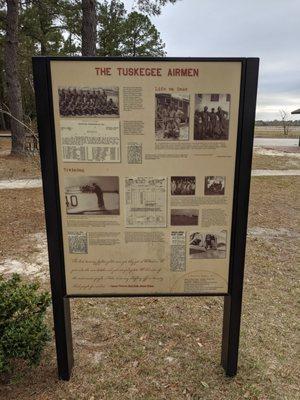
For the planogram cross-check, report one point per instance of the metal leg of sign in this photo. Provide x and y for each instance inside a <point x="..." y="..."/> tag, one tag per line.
<point x="233" y="301"/>
<point x="231" y="333"/>
<point x="63" y="337"/>
<point x="61" y="304"/>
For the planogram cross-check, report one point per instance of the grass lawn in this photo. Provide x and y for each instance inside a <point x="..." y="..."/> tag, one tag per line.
<point x="275" y="162"/>
<point x="260" y="132"/>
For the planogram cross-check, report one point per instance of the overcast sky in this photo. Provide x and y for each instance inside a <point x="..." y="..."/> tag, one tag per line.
<point x="268" y="29"/>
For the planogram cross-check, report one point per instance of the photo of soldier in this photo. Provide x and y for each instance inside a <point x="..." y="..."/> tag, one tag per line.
<point x="89" y="102"/>
<point x="94" y="188"/>
<point x="214" y="185"/>
<point x="183" y="185"/>
<point x="172" y="116"/>
<point x="211" y="116"/>
<point x="92" y="195"/>
<point x="206" y="245"/>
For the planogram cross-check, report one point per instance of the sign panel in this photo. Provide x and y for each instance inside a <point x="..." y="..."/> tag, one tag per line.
<point x="146" y="155"/>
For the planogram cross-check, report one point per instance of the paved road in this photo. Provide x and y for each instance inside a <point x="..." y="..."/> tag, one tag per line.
<point x="275" y="172"/>
<point x="274" y="142"/>
<point x="21" y="184"/>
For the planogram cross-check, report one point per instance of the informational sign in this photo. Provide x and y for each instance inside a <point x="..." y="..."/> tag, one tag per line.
<point x="146" y="166"/>
<point x="146" y="158"/>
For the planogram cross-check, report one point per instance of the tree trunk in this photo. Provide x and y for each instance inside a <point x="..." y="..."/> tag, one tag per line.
<point x="2" y="122"/>
<point x="134" y="45"/>
<point x="41" y="19"/>
<point x="89" y="32"/>
<point x="2" y="119"/>
<point x="13" y="86"/>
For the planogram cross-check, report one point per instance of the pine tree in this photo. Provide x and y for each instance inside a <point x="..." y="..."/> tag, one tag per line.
<point x="89" y="28"/>
<point x="111" y="19"/>
<point x="141" y="38"/>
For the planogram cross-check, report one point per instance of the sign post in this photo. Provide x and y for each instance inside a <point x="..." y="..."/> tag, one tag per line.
<point x="146" y="166"/>
<point x="233" y="301"/>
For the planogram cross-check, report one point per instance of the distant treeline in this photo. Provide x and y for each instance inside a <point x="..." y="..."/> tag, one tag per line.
<point x="276" y="122"/>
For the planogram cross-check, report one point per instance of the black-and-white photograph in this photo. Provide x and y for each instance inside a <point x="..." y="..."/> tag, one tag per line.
<point x="211" y="117"/>
<point x="183" y="185"/>
<point x="184" y="217"/>
<point x="88" y="102"/>
<point x="92" y="195"/>
<point x="214" y="185"/>
<point x="207" y="245"/>
<point x="172" y="113"/>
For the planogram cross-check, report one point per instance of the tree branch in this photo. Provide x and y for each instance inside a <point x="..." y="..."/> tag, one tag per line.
<point x="20" y="122"/>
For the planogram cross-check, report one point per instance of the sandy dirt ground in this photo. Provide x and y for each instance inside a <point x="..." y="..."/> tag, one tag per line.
<point x="159" y="348"/>
<point x="12" y="167"/>
<point x="276" y="158"/>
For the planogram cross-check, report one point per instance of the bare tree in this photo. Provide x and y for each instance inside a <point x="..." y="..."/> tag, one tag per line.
<point x="13" y="86"/>
<point x="285" y="122"/>
<point x="89" y="28"/>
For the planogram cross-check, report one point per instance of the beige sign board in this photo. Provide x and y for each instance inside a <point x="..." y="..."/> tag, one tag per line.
<point x="146" y="161"/>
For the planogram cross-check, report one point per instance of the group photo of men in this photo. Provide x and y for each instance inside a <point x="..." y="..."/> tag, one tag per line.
<point x="99" y="102"/>
<point x="183" y="185"/>
<point x="172" y="116"/>
<point x="214" y="185"/>
<point x="211" y="118"/>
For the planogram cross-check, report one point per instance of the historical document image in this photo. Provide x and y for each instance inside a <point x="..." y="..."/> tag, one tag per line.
<point x="134" y="153"/>
<point x="182" y="216"/>
<point x="183" y="185"/>
<point x="145" y="201"/>
<point x="92" y="195"/>
<point x="178" y="251"/>
<point x="172" y="113"/>
<point x="214" y="185"/>
<point x="88" y="102"/>
<point x="86" y="141"/>
<point x="211" y="116"/>
<point x="208" y="244"/>
<point x="78" y="242"/>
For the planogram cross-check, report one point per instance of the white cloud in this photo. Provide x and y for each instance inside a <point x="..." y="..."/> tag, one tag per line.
<point x="268" y="29"/>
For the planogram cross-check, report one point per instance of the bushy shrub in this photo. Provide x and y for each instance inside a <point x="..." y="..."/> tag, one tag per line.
<point x="23" y="332"/>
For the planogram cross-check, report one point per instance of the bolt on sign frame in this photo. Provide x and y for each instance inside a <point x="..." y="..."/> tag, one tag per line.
<point x="53" y="74"/>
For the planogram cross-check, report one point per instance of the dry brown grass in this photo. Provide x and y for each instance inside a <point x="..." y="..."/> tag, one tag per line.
<point x="276" y="133"/>
<point x="159" y="348"/>
<point x="13" y="167"/>
<point x="22" y="213"/>
<point x="284" y="161"/>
